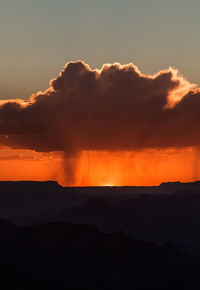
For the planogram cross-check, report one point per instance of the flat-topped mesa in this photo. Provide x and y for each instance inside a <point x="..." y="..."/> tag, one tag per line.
<point x="30" y="186"/>
<point x="170" y="184"/>
<point x="180" y="184"/>
<point x="178" y="187"/>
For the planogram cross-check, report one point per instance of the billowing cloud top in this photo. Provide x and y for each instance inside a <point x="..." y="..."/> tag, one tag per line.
<point x="115" y="108"/>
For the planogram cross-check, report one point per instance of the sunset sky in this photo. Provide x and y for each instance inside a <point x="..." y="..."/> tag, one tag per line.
<point x="94" y="123"/>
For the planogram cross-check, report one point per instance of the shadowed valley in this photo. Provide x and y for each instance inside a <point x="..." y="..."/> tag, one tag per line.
<point x="99" y="237"/>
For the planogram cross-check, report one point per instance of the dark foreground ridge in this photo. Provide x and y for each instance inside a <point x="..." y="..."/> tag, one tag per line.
<point x="166" y="213"/>
<point x="90" y="238"/>
<point x="65" y="256"/>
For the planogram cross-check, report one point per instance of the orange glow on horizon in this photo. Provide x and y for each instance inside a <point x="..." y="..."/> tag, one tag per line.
<point x="101" y="168"/>
<point x="148" y="167"/>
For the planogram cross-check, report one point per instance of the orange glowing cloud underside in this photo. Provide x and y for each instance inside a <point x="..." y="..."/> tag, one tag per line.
<point x="102" y="124"/>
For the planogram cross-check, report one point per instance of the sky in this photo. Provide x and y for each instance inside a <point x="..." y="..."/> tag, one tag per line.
<point x="136" y="124"/>
<point x="38" y="37"/>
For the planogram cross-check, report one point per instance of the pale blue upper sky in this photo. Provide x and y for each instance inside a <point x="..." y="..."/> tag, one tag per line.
<point x="37" y="37"/>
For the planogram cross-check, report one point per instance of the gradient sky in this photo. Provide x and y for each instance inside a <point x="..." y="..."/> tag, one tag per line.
<point x="38" y="37"/>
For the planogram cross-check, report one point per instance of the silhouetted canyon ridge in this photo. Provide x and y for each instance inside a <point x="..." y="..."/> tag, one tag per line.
<point x="55" y="237"/>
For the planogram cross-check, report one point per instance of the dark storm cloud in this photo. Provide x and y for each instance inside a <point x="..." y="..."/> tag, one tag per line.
<point x="115" y="108"/>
